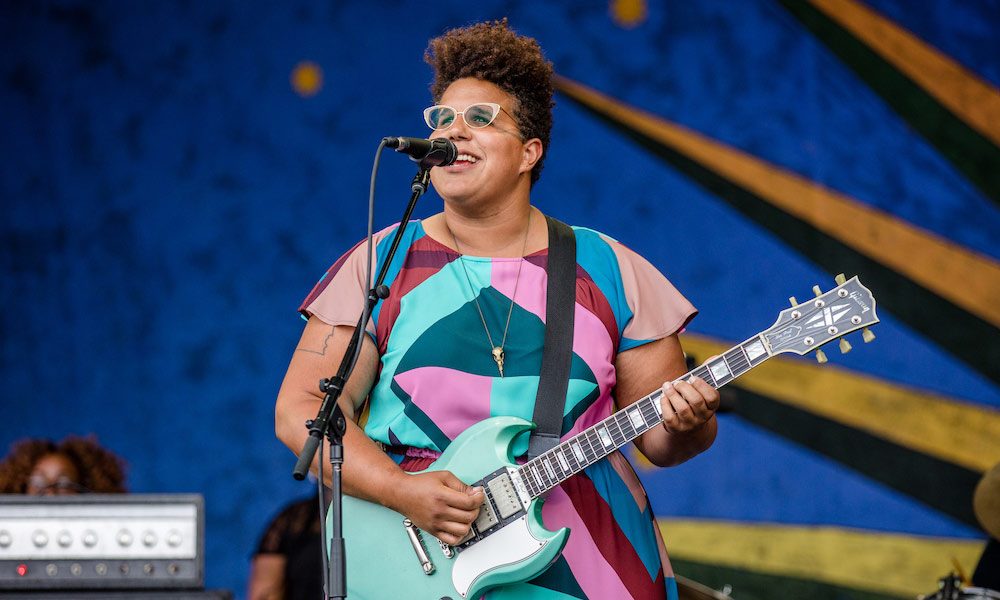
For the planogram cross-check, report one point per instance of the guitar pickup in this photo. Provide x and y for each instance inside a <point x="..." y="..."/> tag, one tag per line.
<point x="504" y="495"/>
<point x="487" y="517"/>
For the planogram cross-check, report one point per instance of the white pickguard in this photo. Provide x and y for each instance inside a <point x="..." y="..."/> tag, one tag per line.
<point x="513" y="543"/>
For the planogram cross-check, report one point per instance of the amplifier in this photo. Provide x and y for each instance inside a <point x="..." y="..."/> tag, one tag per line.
<point x="95" y="541"/>
<point x="118" y="595"/>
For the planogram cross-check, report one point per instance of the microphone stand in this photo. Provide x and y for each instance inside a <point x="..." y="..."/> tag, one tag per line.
<point x="330" y="420"/>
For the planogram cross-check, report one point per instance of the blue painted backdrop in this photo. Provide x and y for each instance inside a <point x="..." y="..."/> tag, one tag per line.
<point x="168" y="199"/>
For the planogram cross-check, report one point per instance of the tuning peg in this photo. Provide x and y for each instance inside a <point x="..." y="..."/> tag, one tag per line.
<point x="867" y="335"/>
<point x="793" y="301"/>
<point x="845" y="346"/>
<point x="840" y="279"/>
<point x="817" y="291"/>
<point x="821" y="357"/>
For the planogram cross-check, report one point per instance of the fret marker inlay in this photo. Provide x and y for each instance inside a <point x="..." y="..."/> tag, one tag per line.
<point x="754" y="350"/>
<point x="605" y="438"/>
<point x="637" y="420"/>
<point x="719" y="369"/>
<point x="829" y="317"/>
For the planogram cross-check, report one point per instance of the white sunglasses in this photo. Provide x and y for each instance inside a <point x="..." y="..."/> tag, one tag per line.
<point x="477" y="116"/>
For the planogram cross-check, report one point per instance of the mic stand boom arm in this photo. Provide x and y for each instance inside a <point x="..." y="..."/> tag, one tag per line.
<point x="330" y="420"/>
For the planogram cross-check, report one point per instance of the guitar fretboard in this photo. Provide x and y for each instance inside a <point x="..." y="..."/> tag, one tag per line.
<point x="568" y="458"/>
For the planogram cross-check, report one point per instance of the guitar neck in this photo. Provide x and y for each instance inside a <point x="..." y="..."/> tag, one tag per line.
<point x="568" y="458"/>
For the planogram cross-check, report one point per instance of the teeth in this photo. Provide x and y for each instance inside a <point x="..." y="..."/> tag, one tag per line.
<point x="467" y="158"/>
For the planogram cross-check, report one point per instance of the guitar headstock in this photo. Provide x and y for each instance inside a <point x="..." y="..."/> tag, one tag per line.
<point x="806" y="326"/>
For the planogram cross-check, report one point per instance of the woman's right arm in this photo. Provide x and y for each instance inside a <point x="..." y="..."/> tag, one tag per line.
<point x="437" y="502"/>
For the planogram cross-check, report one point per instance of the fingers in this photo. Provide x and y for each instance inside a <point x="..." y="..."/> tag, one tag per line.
<point x="451" y="508"/>
<point x="709" y="393"/>
<point x="452" y="524"/>
<point x="688" y="404"/>
<point x="458" y="515"/>
<point x="451" y="533"/>
<point x="465" y="497"/>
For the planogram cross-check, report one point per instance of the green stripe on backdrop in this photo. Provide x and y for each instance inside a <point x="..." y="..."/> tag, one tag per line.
<point x="962" y="318"/>
<point x="973" y="154"/>
<point x="939" y="484"/>
<point x="751" y="585"/>
<point x="963" y="92"/>
<point x="948" y="430"/>
<point x="825" y="560"/>
<point x="931" y="448"/>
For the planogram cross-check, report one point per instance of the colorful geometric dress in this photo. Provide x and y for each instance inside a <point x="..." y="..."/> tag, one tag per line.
<point x="437" y="378"/>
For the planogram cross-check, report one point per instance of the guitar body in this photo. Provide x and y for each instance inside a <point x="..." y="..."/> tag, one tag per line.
<point x="382" y="562"/>
<point x="508" y="544"/>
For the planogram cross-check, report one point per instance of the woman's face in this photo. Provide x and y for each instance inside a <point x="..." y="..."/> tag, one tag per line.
<point x="492" y="158"/>
<point x="54" y="474"/>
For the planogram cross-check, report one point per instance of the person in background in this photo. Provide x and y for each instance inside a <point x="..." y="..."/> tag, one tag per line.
<point x="75" y="465"/>
<point x="288" y="562"/>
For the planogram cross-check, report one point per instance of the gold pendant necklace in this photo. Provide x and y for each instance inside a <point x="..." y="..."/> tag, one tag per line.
<point x="496" y="351"/>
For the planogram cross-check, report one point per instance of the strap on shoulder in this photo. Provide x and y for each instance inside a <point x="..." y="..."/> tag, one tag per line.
<point x="557" y="354"/>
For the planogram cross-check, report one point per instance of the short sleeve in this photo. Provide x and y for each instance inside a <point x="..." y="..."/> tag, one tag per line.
<point x="657" y="309"/>
<point x="273" y="539"/>
<point x="286" y="530"/>
<point x="340" y="295"/>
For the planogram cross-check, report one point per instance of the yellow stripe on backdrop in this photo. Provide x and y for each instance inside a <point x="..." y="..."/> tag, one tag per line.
<point x="963" y="277"/>
<point x="869" y="560"/>
<point x="952" y="430"/>
<point x="963" y="93"/>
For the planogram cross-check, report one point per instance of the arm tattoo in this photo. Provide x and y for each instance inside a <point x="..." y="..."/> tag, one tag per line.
<point x="319" y="351"/>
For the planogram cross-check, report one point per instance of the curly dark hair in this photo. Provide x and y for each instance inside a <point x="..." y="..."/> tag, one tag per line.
<point x="493" y="52"/>
<point x="101" y="471"/>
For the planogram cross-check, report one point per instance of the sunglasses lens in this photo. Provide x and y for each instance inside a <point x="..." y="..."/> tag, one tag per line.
<point x="439" y="117"/>
<point x="480" y="115"/>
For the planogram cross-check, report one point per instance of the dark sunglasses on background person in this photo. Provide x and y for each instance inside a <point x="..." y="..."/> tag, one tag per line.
<point x="61" y="486"/>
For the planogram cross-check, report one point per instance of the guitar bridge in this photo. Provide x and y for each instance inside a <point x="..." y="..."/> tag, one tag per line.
<point x="418" y="546"/>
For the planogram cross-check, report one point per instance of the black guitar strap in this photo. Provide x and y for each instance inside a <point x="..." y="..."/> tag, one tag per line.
<point x="557" y="354"/>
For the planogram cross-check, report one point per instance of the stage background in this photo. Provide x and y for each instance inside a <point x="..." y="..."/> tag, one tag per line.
<point x="176" y="176"/>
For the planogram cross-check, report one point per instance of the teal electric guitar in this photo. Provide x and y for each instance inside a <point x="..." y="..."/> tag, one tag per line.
<point x="387" y="557"/>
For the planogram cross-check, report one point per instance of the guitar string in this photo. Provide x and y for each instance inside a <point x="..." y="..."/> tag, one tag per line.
<point x="565" y="448"/>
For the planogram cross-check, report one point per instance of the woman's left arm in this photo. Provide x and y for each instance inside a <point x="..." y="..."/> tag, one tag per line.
<point x="689" y="425"/>
<point x="267" y="577"/>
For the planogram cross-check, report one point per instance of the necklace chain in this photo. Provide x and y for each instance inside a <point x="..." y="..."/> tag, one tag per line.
<point x="496" y="351"/>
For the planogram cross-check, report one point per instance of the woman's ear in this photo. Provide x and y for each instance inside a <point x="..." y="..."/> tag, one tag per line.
<point x="532" y="153"/>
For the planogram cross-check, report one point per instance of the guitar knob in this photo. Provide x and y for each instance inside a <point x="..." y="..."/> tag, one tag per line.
<point x="867" y="335"/>
<point x="821" y="357"/>
<point x="840" y="279"/>
<point x="817" y="291"/>
<point x="845" y="346"/>
<point x="793" y="301"/>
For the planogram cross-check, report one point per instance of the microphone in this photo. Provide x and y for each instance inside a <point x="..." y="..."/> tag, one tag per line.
<point x="438" y="152"/>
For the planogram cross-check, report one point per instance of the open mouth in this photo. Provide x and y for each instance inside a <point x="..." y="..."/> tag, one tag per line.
<point x="465" y="159"/>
